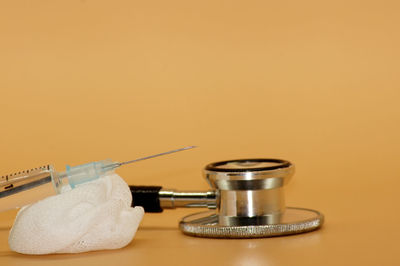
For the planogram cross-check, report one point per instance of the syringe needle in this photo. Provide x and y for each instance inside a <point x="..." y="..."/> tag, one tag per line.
<point x="156" y="155"/>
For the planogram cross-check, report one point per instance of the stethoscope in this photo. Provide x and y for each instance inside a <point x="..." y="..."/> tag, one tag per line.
<point x="246" y="201"/>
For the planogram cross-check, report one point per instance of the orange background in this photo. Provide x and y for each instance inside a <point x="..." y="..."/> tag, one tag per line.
<point x="313" y="82"/>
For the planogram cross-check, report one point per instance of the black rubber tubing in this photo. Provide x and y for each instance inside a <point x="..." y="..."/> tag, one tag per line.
<point x="147" y="197"/>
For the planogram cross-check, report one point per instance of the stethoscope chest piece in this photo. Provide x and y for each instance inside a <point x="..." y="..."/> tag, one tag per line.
<point x="250" y="202"/>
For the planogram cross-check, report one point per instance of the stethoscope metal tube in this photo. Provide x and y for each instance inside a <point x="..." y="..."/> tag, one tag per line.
<point x="171" y="199"/>
<point x="248" y="198"/>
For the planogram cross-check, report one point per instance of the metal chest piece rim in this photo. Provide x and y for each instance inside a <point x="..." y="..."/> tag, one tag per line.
<point x="293" y="221"/>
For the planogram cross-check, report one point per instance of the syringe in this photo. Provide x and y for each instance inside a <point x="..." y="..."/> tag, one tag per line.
<point x="22" y="188"/>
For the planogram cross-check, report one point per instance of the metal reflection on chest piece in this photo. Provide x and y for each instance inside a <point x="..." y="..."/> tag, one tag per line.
<point x="250" y="202"/>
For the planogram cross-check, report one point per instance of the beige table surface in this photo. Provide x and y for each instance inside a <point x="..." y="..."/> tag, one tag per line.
<point x="313" y="82"/>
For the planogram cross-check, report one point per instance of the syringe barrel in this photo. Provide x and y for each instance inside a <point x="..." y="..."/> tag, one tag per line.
<point x="20" y="189"/>
<point x="17" y="190"/>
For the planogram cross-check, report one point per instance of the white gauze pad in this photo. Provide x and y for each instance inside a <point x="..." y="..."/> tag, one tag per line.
<point x="93" y="216"/>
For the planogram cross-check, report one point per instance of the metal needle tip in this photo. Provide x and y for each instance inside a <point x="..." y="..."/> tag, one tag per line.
<point x="156" y="155"/>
